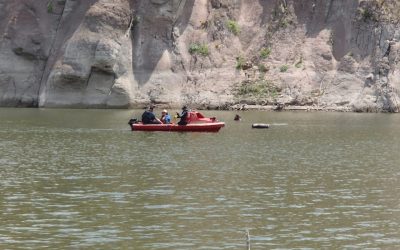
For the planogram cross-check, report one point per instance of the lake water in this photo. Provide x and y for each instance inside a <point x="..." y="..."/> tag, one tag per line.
<point x="80" y="179"/>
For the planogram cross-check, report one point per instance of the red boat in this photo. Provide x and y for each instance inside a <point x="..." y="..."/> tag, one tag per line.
<point x="196" y="123"/>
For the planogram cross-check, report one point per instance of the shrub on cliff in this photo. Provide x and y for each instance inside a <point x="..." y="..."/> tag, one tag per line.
<point x="283" y="68"/>
<point x="240" y="61"/>
<point x="260" y="89"/>
<point x="233" y="27"/>
<point x="201" y="49"/>
<point x="50" y="6"/>
<point x="367" y="15"/>
<point x="265" y="52"/>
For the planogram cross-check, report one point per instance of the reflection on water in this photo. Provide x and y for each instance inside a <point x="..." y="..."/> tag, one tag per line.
<point x="81" y="179"/>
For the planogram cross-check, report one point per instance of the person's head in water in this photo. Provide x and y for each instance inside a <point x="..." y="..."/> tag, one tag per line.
<point x="237" y="118"/>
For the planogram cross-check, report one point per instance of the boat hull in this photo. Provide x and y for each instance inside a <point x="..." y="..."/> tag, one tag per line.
<point x="193" y="127"/>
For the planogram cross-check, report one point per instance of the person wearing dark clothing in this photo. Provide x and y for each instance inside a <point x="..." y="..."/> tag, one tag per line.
<point x="184" y="116"/>
<point x="148" y="117"/>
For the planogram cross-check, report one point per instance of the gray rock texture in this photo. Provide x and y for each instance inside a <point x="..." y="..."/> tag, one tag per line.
<point x="336" y="55"/>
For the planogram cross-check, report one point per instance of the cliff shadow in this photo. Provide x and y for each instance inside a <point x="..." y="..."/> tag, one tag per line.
<point x="71" y="18"/>
<point x="336" y="15"/>
<point x="152" y="35"/>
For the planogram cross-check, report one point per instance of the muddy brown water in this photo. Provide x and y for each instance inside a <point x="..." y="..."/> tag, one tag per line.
<point x="80" y="179"/>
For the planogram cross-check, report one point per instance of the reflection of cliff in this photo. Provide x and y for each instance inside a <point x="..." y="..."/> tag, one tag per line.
<point x="207" y="53"/>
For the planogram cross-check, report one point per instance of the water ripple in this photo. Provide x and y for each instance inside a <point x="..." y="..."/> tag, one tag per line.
<point x="311" y="181"/>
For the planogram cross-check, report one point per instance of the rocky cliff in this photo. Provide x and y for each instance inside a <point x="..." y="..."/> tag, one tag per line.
<point x="324" y="54"/>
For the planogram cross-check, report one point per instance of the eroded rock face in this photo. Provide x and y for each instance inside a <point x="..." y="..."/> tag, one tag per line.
<point x="85" y="73"/>
<point x="26" y="34"/>
<point x="341" y="55"/>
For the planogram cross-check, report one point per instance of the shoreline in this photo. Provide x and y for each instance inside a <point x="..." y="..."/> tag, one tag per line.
<point x="226" y="107"/>
<point x="278" y="108"/>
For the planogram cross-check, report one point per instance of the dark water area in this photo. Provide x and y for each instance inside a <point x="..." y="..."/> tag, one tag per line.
<point x="81" y="179"/>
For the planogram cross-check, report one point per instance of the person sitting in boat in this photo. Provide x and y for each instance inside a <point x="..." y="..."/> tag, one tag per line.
<point x="148" y="117"/>
<point x="184" y="116"/>
<point x="165" y="117"/>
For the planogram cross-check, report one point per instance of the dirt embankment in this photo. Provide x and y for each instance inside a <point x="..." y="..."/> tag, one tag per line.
<point x="272" y="54"/>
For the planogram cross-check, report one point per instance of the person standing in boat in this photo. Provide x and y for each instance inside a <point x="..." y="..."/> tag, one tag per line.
<point x="165" y="117"/>
<point x="148" y="117"/>
<point x="184" y="116"/>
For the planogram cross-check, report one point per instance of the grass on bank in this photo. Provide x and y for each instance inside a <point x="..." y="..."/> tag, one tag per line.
<point x="259" y="88"/>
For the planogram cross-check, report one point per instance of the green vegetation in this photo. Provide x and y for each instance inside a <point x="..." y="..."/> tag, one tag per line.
<point x="233" y="27"/>
<point x="200" y="49"/>
<point x="262" y="68"/>
<point x="367" y="14"/>
<point x="284" y="23"/>
<point x="284" y="68"/>
<point x="18" y="51"/>
<point x="265" y="52"/>
<point x="259" y="88"/>
<point x="50" y="6"/>
<point x="135" y="20"/>
<point x="240" y="61"/>
<point x="299" y="63"/>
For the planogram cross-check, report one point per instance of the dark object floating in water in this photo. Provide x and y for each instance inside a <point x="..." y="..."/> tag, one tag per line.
<point x="260" y="125"/>
<point x="237" y="118"/>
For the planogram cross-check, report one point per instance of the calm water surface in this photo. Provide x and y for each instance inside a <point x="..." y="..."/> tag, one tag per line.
<point x="79" y="179"/>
